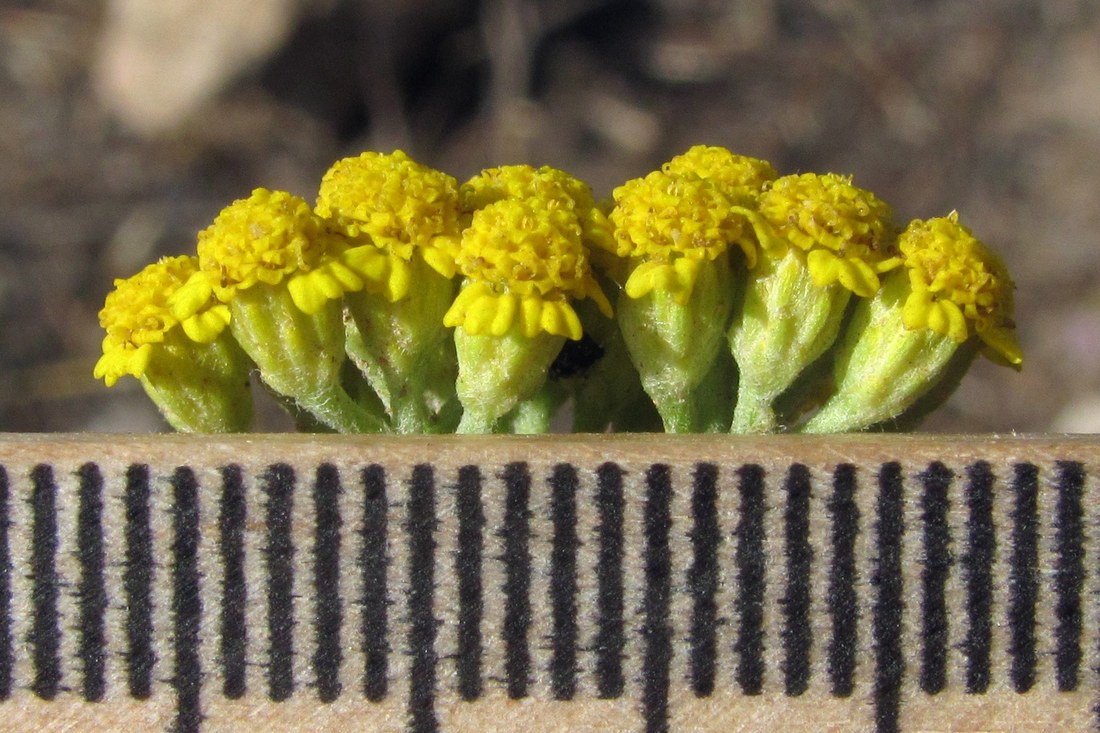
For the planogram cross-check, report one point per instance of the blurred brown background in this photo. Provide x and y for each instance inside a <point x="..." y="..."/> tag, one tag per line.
<point x="125" y="126"/>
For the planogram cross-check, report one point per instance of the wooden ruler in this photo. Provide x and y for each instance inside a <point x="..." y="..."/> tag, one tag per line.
<point x="570" y="583"/>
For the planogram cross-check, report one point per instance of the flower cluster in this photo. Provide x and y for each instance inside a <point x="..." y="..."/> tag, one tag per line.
<point x="710" y="295"/>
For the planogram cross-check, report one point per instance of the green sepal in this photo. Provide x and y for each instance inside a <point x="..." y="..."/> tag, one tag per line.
<point x="784" y="324"/>
<point x="496" y="373"/>
<point x="300" y="356"/>
<point x="938" y="394"/>
<point x="673" y="346"/>
<point x="405" y="352"/>
<point x="882" y="368"/>
<point x="200" y="388"/>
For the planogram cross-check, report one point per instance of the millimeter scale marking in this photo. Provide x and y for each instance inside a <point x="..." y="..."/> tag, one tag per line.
<point x="553" y="583"/>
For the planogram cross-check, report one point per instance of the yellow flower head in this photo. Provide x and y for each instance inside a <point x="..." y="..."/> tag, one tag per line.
<point x="846" y="232"/>
<point x="136" y="316"/>
<point x="269" y="238"/>
<point x="394" y="203"/>
<point x="550" y="187"/>
<point x="958" y="282"/>
<point x="673" y="224"/>
<point x="524" y="263"/>
<point x="737" y="175"/>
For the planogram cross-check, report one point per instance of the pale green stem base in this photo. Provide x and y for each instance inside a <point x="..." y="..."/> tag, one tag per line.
<point x="785" y="324"/>
<point x="200" y="388"/>
<point x="754" y="414"/>
<point x="497" y="373"/>
<point x="300" y="356"/>
<point x="882" y="368"/>
<point x="405" y="352"/>
<point x="674" y="346"/>
<point x="533" y="416"/>
<point x="677" y="411"/>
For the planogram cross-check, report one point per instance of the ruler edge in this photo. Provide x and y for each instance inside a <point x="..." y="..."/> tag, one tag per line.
<point x="161" y="450"/>
<point x="32" y="448"/>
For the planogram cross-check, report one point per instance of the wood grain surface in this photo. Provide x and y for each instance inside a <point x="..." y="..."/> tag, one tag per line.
<point x="552" y="583"/>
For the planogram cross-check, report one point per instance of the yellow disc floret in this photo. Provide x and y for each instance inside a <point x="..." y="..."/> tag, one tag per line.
<point x="736" y="175"/>
<point x="524" y="263"/>
<point x="396" y="204"/>
<point x="261" y="239"/>
<point x="551" y="188"/>
<point x="136" y="317"/>
<point x="270" y="238"/>
<point x="845" y="231"/>
<point x="671" y="224"/>
<point x="958" y="283"/>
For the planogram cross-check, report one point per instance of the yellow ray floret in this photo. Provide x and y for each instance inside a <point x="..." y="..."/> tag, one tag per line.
<point x="271" y="238"/>
<point x="524" y="263"/>
<point x="136" y="317"/>
<point x="395" y="203"/>
<point x="663" y="218"/>
<point x="958" y="283"/>
<point x="736" y="175"/>
<point x="846" y="231"/>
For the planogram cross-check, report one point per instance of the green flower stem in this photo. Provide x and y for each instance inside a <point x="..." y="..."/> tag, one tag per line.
<point x="534" y="416"/>
<point x="753" y="413"/>
<point x="714" y="396"/>
<point x="334" y="408"/>
<point x="882" y="368"/>
<point x="300" y="355"/>
<point x="200" y="388"/>
<point x="497" y="373"/>
<point x="476" y="422"/>
<point x="786" y="322"/>
<point x="406" y="353"/>
<point x="677" y="412"/>
<point x="674" y="346"/>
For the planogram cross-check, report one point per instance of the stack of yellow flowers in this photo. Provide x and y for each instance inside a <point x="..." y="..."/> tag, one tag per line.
<point x="711" y="295"/>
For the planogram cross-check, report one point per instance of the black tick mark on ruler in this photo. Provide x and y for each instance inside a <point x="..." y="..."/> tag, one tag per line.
<point x="7" y="655"/>
<point x="234" y="630"/>
<point x="797" y="631"/>
<point x="278" y="483"/>
<point x="750" y="562"/>
<point x="563" y="581"/>
<point x="935" y="505"/>
<point x="656" y="630"/>
<point x="977" y="574"/>
<point x="517" y="578"/>
<point x="1023" y="576"/>
<point x="889" y="601"/>
<point x="186" y="601"/>
<point x="468" y="569"/>
<point x="420" y="526"/>
<point x="840" y="599"/>
<point x="373" y="562"/>
<point x="92" y="589"/>
<point x="45" y="634"/>
<point x="137" y="583"/>
<point x="702" y="578"/>
<point x="328" y="654"/>
<point x="610" y="632"/>
<point x="1069" y="573"/>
